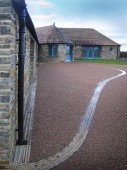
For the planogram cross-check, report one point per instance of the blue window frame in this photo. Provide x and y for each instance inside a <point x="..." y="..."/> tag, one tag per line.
<point x="53" y="50"/>
<point x="90" y="52"/>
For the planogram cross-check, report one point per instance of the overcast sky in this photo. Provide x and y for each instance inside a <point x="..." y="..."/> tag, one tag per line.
<point x="106" y="16"/>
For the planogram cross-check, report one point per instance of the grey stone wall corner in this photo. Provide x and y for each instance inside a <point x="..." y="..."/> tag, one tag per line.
<point x="8" y="53"/>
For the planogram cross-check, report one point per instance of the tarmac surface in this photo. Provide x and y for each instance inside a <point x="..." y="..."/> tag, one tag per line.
<point x="63" y="93"/>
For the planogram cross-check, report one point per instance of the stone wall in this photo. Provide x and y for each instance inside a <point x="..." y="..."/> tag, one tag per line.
<point x="62" y="52"/>
<point x="106" y="52"/>
<point x="9" y="79"/>
<point x="44" y="53"/>
<point x="109" y="52"/>
<point x="77" y="52"/>
<point x="30" y="64"/>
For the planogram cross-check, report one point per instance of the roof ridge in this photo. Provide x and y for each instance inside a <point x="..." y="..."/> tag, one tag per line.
<point x="62" y="35"/>
<point x="75" y="28"/>
<point x="44" y="26"/>
<point x="51" y="34"/>
<point x="77" y="36"/>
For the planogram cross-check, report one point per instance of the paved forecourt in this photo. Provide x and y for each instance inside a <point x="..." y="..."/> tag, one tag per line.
<point x="79" y="107"/>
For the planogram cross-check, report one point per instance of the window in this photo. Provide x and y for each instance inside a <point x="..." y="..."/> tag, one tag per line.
<point x="53" y="50"/>
<point x="111" y="48"/>
<point x="90" y="52"/>
<point x="84" y="52"/>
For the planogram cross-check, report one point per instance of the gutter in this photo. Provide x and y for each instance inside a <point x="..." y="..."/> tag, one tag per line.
<point x="24" y="20"/>
<point x="21" y="57"/>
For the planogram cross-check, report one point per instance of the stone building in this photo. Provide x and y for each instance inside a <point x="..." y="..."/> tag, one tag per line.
<point x="65" y="44"/>
<point x="18" y="56"/>
<point x="19" y="46"/>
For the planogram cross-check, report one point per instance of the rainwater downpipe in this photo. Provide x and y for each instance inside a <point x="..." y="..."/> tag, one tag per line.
<point x="21" y="58"/>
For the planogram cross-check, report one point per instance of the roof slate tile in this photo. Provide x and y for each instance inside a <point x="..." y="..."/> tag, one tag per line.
<point x="76" y="36"/>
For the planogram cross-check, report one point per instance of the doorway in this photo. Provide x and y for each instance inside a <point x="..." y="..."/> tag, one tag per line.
<point x="69" y="52"/>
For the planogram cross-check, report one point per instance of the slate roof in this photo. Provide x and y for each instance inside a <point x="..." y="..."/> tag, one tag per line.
<point x="52" y="34"/>
<point x="77" y="36"/>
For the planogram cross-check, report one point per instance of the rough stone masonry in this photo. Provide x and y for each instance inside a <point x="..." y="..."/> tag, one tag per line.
<point x="9" y="26"/>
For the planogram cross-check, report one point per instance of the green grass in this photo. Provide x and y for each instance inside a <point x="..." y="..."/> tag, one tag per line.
<point x="104" y="61"/>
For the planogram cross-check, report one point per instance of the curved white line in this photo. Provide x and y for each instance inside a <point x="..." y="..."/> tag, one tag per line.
<point x="93" y="103"/>
<point x="77" y="141"/>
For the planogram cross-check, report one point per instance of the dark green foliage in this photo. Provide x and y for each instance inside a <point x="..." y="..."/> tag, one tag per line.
<point x="123" y="54"/>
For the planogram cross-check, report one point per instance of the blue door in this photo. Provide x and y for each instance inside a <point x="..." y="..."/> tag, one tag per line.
<point x="68" y="53"/>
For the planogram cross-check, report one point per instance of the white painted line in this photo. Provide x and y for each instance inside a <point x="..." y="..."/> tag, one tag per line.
<point x="93" y="103"/>
<point x="77" y="141"/>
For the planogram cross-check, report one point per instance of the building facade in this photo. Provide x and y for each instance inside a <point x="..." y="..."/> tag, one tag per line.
<point x="68" y="44"/>
<point x="11" y="58"/>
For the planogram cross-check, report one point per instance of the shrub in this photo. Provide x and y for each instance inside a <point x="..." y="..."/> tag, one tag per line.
<point x="123" y="54"/>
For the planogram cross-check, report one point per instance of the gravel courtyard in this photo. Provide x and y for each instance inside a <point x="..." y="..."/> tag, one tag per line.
<point x="64" y="91"/>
